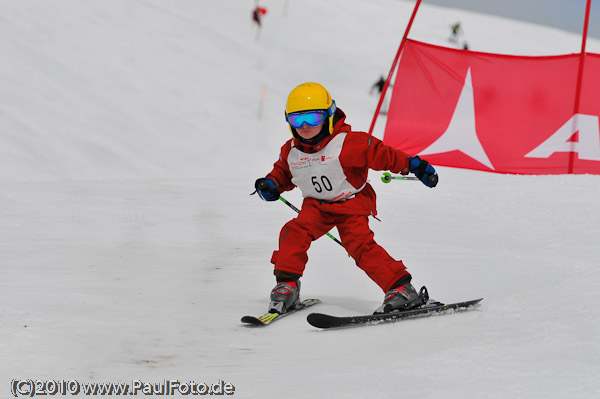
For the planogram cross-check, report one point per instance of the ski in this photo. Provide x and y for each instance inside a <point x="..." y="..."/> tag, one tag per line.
<point x="320" y="320"/>
<point x="269" y="318"/>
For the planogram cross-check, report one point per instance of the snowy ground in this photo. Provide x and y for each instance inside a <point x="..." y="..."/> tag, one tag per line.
<point x="130" y="248"/>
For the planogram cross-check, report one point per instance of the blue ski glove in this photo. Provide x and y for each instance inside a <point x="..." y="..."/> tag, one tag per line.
<point x="266" y="189"/>
<point x="424" y="171"/>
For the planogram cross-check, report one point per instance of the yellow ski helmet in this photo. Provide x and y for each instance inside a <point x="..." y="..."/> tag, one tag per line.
<point x="308" y="97"/>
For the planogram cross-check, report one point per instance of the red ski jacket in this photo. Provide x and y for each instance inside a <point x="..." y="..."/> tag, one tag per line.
<point x="359" y="153"/>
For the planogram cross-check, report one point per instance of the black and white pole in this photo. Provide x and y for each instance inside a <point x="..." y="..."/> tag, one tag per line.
<point x="298" y="211"/>
<point x="387" y="177"/>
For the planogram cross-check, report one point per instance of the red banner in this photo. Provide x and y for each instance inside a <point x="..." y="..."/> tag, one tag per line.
<point x="497" y="113"/>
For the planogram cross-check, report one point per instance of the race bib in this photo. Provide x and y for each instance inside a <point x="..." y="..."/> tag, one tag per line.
<point x="320" y="175"/>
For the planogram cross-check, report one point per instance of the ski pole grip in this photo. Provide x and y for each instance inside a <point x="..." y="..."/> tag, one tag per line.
<point x="433" y="180"/>
<point x="263" y="185"/>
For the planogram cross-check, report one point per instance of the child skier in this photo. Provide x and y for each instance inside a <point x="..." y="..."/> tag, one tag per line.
<point x="329" y="163"/>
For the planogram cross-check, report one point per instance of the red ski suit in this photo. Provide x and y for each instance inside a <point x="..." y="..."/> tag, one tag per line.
<point x="332" y="175"/>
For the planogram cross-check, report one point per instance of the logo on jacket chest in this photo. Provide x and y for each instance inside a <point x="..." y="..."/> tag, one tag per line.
<point x="310" y="161"/>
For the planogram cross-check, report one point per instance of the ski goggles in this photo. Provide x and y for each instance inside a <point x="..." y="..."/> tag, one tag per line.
<point x="310" y="118"/>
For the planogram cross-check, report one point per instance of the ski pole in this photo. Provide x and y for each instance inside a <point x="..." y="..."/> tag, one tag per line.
<point x="263" y="186"/>
<point x="298" y="211"/>
<point x="386" y="178"/>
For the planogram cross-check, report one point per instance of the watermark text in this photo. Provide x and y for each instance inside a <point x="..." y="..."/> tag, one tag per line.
<point x="30" y="388"/>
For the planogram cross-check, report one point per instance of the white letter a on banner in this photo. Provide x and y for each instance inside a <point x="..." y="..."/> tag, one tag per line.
<point x="587" y="146"/>
<point x="461" y="133"/>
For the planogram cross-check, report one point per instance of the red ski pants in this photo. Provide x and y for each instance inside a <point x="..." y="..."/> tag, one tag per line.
<point x="356" y="236"/>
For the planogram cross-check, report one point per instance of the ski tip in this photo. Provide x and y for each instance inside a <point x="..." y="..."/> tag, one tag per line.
<point x="260" y="321"/>
<point x="251" y="320"/>
<point x="320" y="320"/>
<point x="269" y="318"/>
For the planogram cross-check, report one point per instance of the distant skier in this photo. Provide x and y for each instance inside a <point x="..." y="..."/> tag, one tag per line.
<point x="378" y="85"/>
<point x="455" y="32"/>
<point x="329" y="163"/>
<point x="258" y="14"/>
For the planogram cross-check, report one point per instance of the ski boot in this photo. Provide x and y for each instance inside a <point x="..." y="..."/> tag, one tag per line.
<point x="401" y="298"/>
<point x="285" y="295"/>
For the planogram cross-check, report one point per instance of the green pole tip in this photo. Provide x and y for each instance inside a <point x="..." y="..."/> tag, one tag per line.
<point x="386" y="178"/>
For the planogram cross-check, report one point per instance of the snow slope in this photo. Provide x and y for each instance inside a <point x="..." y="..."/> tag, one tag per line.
<point x="131" y="136"/>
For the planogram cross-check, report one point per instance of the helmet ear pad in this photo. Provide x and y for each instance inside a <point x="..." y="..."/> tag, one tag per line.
<point x="331" y="112"/>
